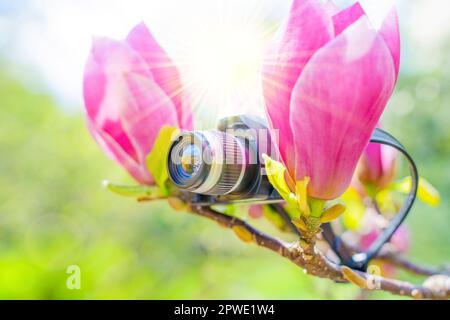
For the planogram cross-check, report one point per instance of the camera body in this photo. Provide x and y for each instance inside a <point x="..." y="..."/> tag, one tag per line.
<point x="224" y="165"/>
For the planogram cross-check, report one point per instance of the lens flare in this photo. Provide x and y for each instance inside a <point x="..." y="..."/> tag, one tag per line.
<point x="220" y="62"/>
<point x="226" y="60"/>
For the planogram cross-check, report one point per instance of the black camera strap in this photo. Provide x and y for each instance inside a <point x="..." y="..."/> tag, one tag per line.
<point x="360" y="260"/>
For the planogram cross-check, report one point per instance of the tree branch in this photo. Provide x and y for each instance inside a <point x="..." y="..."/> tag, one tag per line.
<point x="387" y="255"/>
<point x="396" y="259"/>
<point x="309" y="258"/>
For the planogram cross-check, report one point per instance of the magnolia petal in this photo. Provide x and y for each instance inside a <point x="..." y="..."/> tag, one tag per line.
<point x="307" y="29"/>
<point x="115" y="152"/>
<point x="115" y="59"/>
<point x="94" y="83"/>
<point x="401" y="239"/>
<point x="372" y="158"/>
<point x="336" y="105"/>
<point x="149" y="109"/>
<point x="133" y="104"/>
<point x="390" y="31"/>
<point x="347" y="17"/>
<point x="377" y="165"/>
<point x="164" y="72"/>
<point x="256" y="211"/>
<point x="367" y="239"/>
<point x="331" y="8"/>
<point x="96" y="92"/>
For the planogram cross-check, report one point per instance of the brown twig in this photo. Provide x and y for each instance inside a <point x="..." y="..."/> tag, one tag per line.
<point x="386" y="255"/>
<point x="394" y="258"/>
<point x="306" y="255"/>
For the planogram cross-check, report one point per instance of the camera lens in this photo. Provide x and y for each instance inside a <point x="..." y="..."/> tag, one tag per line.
<point x="207" y="162"/>
<point x="185" y="164"/>
<point x="190" y="159"/>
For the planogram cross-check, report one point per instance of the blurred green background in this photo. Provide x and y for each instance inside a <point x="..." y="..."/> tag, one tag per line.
<point x="54" y="212"/>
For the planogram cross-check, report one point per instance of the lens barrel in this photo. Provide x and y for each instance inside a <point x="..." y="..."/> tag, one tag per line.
<point x="208" y="162"/>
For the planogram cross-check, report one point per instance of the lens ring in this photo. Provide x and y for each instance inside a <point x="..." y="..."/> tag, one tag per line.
<point x="208" y="162"/>
<point x="185" y="164"/>
<point x="228" y="167"/>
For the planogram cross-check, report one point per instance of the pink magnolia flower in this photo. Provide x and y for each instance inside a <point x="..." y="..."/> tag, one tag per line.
<point x="131" y="90"/>
<point x="256" y="211"/>
<point x="327" y="78"/>
<point x="377" y="165"/>
<point x="400" y="240"/>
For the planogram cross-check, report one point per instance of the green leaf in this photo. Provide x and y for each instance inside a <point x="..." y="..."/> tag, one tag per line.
<point x="273" y="217"/>
<point x="300" y="224"/>
<point x="157" y="158"/>
<point x="425" y="192"/>
<point x="138" y="191"/>
<point x="316" y="207"/>
<point x="243" y="234"/>
<point x="301" y="192"/>
<point x="230" y="209"/>
<point x="354" y="277"/>
<point x="275" y="172"/>
<point x="292" y="210"/>
<point x="428" y="194"/>
<point x="332" y="213"/>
